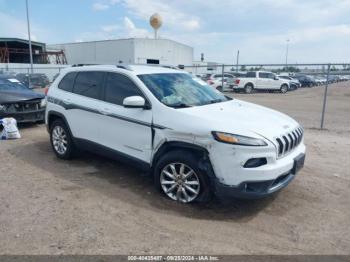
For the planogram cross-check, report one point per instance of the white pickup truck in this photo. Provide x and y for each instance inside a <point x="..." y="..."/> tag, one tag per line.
<point x="260" y="80"/>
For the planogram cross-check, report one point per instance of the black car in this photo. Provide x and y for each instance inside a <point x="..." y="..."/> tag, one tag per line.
<point x="19" y="102"/>
<point x="36" y="80"/>
<point x="306" y="81"/>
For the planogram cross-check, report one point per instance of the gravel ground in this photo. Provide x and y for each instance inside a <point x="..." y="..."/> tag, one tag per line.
<point x="93" y="205"/>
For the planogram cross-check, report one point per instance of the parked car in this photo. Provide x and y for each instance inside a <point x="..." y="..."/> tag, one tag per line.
<point x="194" y="140"/>
<point x="215" y="80"/>
<point x="305" y="80"/>
<point x="320" y="80"/>
<point x="19" y="102"/>
<point x="293" y="83"/>
<point x="261" y="80"/>
<point x="36" y="80"/>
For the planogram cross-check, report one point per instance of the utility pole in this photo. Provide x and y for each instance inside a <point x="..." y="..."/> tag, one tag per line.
<point x="237" y="62"/>
<point x="30" y="41"/>
<point x="287" y="49"/>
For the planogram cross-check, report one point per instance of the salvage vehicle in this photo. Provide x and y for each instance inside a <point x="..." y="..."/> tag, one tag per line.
<point x="36" y="80"/>
<point x="261" y="80"/>
<point x="293" y="83"/>
<point x="305" y="80"/>
<point x="20" y="102"/>
<point x="195" y="141"/>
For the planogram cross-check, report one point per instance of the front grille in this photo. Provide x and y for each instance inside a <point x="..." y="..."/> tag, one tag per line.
<point x="287" y="142"/>
<point x="26" y="106"/>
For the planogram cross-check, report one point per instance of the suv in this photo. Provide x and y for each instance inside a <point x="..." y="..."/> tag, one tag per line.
<point x="194" y="140"/>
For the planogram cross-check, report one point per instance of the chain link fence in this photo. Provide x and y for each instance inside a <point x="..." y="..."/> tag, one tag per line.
<point x="318" y="95"/>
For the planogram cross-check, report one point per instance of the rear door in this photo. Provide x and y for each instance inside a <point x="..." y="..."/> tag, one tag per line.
<point x="83" y="104"/>
<point x="126" y="130"/>
<point x="262" y="81"/>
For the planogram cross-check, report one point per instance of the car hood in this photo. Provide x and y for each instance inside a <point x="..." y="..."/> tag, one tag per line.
<point x="18" y="96"/>
<point x="242" y="118"/>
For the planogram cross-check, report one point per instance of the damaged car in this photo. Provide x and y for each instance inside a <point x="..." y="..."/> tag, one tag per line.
<point x="20" y="102"/>
<point x="195" y="141"/>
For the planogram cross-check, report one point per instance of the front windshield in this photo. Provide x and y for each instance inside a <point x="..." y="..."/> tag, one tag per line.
<point x="11" y="85"/>
<point x="181" y="90"/>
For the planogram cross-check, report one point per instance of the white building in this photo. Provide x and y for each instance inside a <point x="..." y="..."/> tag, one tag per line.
<point x="132" y="51"/>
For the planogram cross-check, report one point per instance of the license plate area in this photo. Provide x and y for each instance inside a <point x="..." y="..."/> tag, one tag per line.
<point x="298" y="163"/>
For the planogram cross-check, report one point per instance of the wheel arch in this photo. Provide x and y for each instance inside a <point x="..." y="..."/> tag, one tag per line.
<point x="52" y="116"/>
<point x="197" y="150"/>
<point x="249" y="83"/>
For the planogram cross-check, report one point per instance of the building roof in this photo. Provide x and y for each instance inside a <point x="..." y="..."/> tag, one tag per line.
<point x="121" y="39"/>
<point x="20" y="40"/>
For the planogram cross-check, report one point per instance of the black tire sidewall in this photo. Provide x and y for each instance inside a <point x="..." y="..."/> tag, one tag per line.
<point x="190" y="160"/>
<point x="69" y="152"/>
<point x="246" y="88"/>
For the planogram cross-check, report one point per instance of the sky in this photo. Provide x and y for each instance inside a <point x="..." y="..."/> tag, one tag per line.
<point x="318" y="30"/>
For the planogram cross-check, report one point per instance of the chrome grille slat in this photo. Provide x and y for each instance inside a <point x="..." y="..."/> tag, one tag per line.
<point x="288" y="141"/>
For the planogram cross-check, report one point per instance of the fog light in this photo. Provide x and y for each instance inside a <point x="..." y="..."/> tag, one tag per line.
<point x="255" y="162"/>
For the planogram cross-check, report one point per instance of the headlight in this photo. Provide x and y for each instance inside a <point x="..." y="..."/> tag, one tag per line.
<point x="237" y="139"/>
<point x="43" y="102"/>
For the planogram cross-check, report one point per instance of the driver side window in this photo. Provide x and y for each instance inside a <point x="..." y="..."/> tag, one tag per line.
<point x="118" y="87"/>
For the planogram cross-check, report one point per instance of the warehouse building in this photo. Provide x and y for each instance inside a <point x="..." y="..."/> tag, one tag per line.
<point x="130" y="51"/>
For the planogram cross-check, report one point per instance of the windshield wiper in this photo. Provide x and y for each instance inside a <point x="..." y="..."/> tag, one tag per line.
<point x="182" y="105"/>
<point x="215" y="101"/>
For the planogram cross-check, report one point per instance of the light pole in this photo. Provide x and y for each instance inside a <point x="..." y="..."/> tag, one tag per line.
<point x="287" y="49"/>
<point x="30" y="41"/>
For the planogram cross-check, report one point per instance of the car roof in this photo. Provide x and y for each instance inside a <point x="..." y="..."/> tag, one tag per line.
<point x="132" y="69"/>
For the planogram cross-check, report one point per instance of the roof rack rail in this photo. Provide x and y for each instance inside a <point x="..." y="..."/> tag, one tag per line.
<point x="78" y="65"/>
<point x="126" y="67"/>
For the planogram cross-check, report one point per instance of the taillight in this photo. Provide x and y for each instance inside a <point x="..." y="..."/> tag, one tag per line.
<point x="237" y="81"/>
<point x="46" y="90"/>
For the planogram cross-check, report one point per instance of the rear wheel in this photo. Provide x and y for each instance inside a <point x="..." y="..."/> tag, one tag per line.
<point x="179" y="177"/>
<point x="61" y="141"/>
<point x="248" y="88"/>
<point x="219" y="88"/>
<point x="284" y="89"/>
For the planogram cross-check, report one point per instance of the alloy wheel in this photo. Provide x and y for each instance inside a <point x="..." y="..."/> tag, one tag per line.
<point x="180" y="182"/>
<point x="59" y="140"/>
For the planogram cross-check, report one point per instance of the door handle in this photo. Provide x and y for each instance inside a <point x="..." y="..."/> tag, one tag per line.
<point x="104" y="111"/>
<point x="67" y="101"/>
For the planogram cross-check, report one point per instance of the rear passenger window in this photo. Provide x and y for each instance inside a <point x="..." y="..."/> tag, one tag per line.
<point x="67" y="82"/>
<point x="119" y="87"/>
<point x="89" y="84"/>
<point x="251" y="74"/>
<point x="264" y="75"/>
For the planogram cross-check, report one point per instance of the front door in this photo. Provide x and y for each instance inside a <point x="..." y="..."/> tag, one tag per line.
<point x="126" y="130"/>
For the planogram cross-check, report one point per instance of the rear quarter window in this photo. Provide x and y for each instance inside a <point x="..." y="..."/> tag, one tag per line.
<point x="67" y="82"/>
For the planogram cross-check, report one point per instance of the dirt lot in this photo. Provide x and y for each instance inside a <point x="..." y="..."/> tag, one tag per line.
<point x="92" y="205"/>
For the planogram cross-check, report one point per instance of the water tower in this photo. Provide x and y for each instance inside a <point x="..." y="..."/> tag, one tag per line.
<point x="156" y="22"/>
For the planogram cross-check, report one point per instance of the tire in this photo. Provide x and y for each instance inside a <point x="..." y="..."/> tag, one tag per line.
<point x="219" y="88"/>
<point x="168" y="179"/>
<point x="284" y="89"/>
<point x="61" y="140"/>
<point x="248" y="88"/>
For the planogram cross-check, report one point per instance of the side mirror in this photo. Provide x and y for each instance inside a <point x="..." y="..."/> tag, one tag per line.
<point x="277" y="78"/>
<point x="134" y="102"/>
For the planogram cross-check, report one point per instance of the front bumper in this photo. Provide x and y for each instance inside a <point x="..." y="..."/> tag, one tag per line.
<point x="26" y="116"/>
<point x="258" y="189"/>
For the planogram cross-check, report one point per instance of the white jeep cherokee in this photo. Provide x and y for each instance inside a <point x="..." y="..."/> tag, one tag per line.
<point x="193" y="139"/>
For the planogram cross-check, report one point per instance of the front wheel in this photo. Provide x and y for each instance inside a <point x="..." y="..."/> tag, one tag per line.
<point x="284" y="89"/>
<point x="179" y="177"/>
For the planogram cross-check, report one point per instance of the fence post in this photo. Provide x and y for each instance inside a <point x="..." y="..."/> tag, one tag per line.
<point x="222" y="77"/>
<point x="325" y="97"/>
